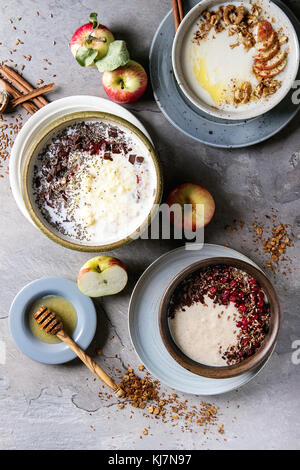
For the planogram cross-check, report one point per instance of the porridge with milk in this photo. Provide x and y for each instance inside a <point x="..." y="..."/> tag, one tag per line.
<point x="95" y="182"/>
<point x="219" y="316"/>
<point x="234" y="56"/>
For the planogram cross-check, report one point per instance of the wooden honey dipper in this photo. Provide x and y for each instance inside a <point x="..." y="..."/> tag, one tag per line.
<point x="52" y="325"/>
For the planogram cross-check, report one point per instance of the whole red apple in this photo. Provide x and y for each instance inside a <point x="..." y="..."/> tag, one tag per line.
<point x="125" y="84"/>
<point x="93" y="36"/>
<point x="194" y="195"/>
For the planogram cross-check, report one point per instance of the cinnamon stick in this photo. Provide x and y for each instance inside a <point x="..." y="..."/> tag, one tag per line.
<point x="30" y="107"/>
<point x="176" y="14"/>
<point x="22" y="84"/>
<point x="180" y="10"/>
<point x="33" y="94"/>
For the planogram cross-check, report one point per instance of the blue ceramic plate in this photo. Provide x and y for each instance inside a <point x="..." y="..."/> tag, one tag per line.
<point x="33" y="347"/>
<point x="144" y="328"/>
<point x="197" y="124"/>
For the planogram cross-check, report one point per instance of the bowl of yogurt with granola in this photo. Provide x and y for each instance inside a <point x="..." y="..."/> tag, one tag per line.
<point x="219" y="317"/>
<point x="236" y="60"/>
<point x="91" y="181"/>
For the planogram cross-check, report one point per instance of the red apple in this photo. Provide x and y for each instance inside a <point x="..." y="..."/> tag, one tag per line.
<point x="125" y="84"/>
<point x="93" y="36"/>
<point x="102" y="275"/>
<point x="191" y="194"/>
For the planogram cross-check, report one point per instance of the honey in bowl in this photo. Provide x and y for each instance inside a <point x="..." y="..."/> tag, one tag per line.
<point x="64" y="310"/>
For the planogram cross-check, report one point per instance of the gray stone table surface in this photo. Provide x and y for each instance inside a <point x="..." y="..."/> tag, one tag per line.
<point x="57" y="407"/>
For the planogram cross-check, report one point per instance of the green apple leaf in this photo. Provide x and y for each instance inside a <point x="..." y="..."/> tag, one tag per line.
<point x="85" y="56"/>
<point x="93" y="19"/>
<point x="117" y="56"/>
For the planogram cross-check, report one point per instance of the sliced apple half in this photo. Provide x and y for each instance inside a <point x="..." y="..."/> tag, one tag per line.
<point x="102" y="275"/>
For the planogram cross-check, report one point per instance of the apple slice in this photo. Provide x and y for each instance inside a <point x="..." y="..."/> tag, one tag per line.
<point x="272" y="63"/>
<point x="264" y="31"/>
<point x="273" y="72"/>
<point x="102" y="275"/>
<point x="192" y="196"/>
<point x="269" y="53"/>
<point x="263" y="46"/>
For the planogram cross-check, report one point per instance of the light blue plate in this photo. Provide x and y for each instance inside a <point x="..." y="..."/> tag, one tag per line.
<point x="144" y="328"/>
<point x="39" y="350"/>
<point x="197" y="124"/>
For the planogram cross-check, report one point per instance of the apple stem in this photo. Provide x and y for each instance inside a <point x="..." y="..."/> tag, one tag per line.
<point x="122" y="84"/>
<point x="93" y="19"/>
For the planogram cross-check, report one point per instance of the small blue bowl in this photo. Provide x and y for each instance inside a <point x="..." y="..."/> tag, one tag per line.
<point x="32" y="346"/>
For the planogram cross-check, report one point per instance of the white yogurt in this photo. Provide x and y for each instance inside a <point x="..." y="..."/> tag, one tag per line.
<point x="212" y="67"/>
<point x="204" y="332"/>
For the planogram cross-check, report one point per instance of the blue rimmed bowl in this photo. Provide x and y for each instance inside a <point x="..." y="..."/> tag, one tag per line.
<point x="19" y="324"/>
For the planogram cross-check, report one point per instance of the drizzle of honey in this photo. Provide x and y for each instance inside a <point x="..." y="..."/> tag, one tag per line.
<point x="216" y="90"/>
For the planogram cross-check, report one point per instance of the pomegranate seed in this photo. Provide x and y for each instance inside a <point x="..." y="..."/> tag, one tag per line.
<point x="252" y="281"/>
<point x="241" y="294"/>
<point x="254" y="288"/>
<point x="242" y="308"/>
<point x="226" y="292"/>
<point x="260" y="303"/>
<point x="244" y="327"/>
<point x="256" y="345"/>
<point x="214" y="277"/>
<point x="237" y="305"/>
<point x="239" y="324"/>
<point x="253" y="297"/>
<point x="255" y="317"/>
<point x="244" y="321"/>
<point x="246" y="340"/>
<point x="223" y="279"/>
<point x="232" y="298"/>
<point x="233" y="283"/>
<point x="260" y="294"/>
<point x="212" y="290"/>
<point x="259" y="310"/>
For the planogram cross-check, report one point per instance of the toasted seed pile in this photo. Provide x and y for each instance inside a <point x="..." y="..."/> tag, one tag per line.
<point x="9" y="129"/>
<point x="272" y="239"/>
<point x="145" y="393"/>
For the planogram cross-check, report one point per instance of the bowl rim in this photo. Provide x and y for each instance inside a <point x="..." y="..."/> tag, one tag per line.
<point x="214" y="111"/>
<point x="220" y="372"/>
<point x="46" y="131"/>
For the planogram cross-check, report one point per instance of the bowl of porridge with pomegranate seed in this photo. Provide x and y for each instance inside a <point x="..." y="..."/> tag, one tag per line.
<point x="92" y="181"/>
<point x="220" y="317"/>
<point x="236" y="60"/>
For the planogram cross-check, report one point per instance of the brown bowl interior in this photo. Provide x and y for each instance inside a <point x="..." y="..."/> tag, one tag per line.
<point x="224" y="371"/>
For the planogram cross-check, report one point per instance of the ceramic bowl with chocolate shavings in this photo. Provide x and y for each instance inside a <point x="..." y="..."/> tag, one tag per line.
<point x="91" y="181"/>
<point x="236" y="60"/>
<point x="220" y="317"/>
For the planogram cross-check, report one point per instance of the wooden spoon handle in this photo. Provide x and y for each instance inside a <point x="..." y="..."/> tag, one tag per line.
<point x="92" y="365"/>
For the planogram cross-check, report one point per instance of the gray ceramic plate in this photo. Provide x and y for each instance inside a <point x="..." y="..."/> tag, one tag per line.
<point x="46" y="352"/>
<point x="197" y="124"/>
<point x="144" y="328"/>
